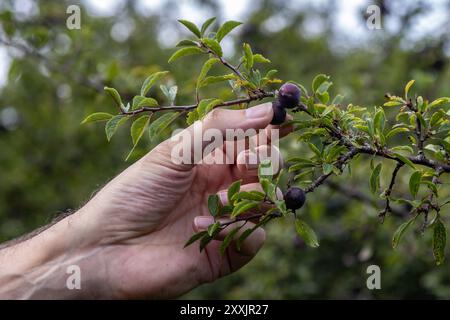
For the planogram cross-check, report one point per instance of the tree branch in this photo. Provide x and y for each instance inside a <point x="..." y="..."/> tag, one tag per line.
<point x="339" y="164"/>
<point x="193" y="106"/>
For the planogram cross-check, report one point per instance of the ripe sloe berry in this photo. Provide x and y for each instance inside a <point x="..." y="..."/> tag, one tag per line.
<point x="279" y="113"/>
<point x="294" y="198"/>
<point x="289" y="95"/>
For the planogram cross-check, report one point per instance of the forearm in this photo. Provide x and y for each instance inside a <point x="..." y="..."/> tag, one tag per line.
<point x="39" y="267"/>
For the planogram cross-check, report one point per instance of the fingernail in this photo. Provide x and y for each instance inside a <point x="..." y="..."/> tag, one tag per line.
<point x="202" y="222"/>
<point x="258" y="111"/>
<point x="223" y="196"/>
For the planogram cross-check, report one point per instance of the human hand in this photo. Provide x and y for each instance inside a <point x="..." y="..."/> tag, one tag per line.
<point x="128" y="240"/>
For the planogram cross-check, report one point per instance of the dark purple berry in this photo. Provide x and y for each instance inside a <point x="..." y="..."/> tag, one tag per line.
<point x="294" y="198"/>
<point x="279" y="113"/>
<point x="289" y="95"/>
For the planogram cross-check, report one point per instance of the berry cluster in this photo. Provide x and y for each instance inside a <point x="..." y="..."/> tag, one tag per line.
<point x="288" y="98"/>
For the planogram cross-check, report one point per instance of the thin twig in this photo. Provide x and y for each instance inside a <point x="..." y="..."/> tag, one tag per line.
<point x="388" y="191"/>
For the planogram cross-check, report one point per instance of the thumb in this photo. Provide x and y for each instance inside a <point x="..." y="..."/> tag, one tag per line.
<point x="215" y="126"/>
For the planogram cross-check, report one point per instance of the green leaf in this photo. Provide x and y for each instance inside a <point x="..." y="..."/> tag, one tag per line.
<point x="438" y="102"/>
<point x="436" y="118"/>
<point x="431" y="185"/>
<point x="243" y="206"/>
<point x="404" y="160"/>
<point x="265" y="184"/>
<point x="151" y="79"/>
<point x="271" y="73"/>
<point x="157" y="126"/>
<point x="141" y="101"/>
<point x="248" y="56"/>
<point x="204" y="241"/>
<point x="375" y="178"/>
<point x="324" y="98"/>
<point x="414" y="183"/>
<point x="115" y="95"/>
<point x="306" y="233"/>
<point x="227" y="240"/>
<point x="205" y="69"/>
<point x="400" y="231"/>
<point x="112" y="125"/>
<point x="327" y="168"/>
<point x="315" y="150"/>
<point x="244" y="235"/>
<point x="395" y="131"/>
<point x="213" y="45"/>
<point x="232" y="189"/>
<point x="433" y="148"/>
<point x="420" y="105"/>
<point x="303" y="174"/>
<point x="206" y="25"/>
<point x="393" y="103"/>
<point x="214" y="229"/>
<point x="318" y="80"/>
<point x="184" y="52"/>
<point x="226" y="28"/>
<point x="379" y="121"/>
<point x="98" y="116"/>
<point x="138" y="128"/>
<point x="407" y="87"/>
<point x="403" y="148"/>
<point x="215" y="79"/>
<point x="226" y="209"/>
<point x="439" y="242"/>
<point x="192" y="27"/>
<point x="187" y="43"/>
<point x="213" y="204"/>
<point x="192" y="116"/>
<point x="212" y="105"/>
<point x="324" y="86"/>
<point x="259" y="58"/>
<point x="252" y="195"/>
<point x="338" y="99"/>
<point x="195" y="237"/>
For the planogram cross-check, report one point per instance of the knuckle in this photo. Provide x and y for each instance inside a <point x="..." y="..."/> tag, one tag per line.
<point x="214" y="114"/>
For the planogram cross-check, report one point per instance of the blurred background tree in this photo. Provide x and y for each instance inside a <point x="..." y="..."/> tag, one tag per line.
<point x="51" y="77"/>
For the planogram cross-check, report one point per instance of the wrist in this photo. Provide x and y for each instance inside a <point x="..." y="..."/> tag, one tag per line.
<point x="48" y="265"/>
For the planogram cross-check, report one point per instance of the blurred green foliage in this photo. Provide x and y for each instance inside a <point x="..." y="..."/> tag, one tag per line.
<point x="49" y="163"/>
